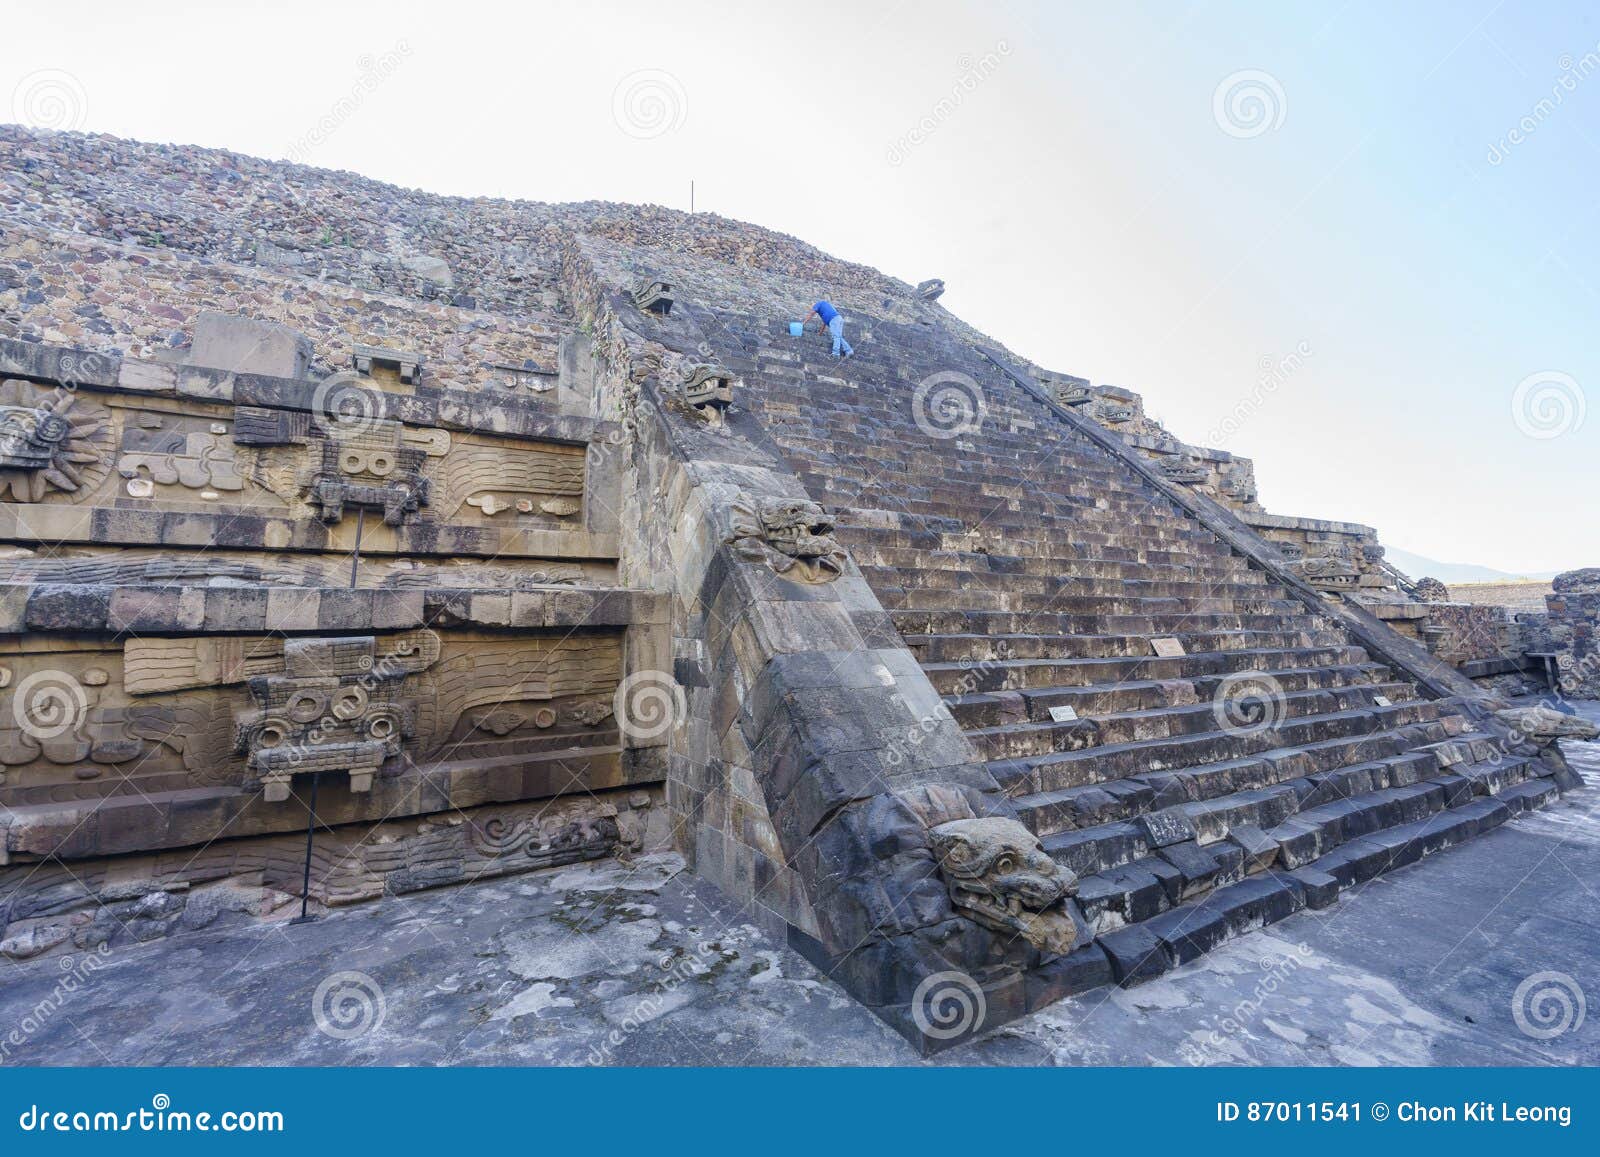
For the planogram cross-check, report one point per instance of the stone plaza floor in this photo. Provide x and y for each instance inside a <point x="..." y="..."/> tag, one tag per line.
<point x="1480" y="955"/>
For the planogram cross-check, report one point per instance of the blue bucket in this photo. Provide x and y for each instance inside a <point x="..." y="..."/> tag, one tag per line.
<point x="796" y="328"/>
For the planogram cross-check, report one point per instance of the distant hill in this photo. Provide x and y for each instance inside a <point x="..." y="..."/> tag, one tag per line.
<point x="1416" y="566"/>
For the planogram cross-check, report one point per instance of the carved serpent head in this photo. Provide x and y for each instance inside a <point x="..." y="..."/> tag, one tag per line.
<point x="1000" y="875"/>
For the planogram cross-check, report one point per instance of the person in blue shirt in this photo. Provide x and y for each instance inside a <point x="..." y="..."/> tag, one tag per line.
<point x="830" y="318"/>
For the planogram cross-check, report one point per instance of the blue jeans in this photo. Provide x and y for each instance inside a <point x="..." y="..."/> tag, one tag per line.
<point x="836" y="328"/>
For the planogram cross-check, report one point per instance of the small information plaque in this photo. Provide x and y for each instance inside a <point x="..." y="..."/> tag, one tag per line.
<point x="1382" y="701"/>
<point x="1166" y="646"/>
<point x="1063" y="714"/>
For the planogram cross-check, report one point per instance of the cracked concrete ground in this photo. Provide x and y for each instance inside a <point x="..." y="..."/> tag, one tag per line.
<point x="643" y="965"/>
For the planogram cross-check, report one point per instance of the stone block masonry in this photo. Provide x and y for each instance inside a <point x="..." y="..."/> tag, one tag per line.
<point x="1574" y="631"/>
<point x="530" y="531"/>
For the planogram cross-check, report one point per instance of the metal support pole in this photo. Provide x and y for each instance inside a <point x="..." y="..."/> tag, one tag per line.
<point x="305" y="880"/>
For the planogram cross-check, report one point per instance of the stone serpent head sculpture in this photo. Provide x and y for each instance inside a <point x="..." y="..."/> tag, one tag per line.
<point x="1001" y="876"/>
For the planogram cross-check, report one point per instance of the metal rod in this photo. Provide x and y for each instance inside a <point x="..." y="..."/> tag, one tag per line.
<point x="355" y="557"/>
<point x="311" y="827"/>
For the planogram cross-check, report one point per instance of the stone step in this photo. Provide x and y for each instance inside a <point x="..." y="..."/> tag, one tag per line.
<point x="1309" y="744"/>
<point x="975" y="599"/>
<point x="1037" y="674"/>
<point x="1152" y="617"/>
<point x="981" y="648"/>
<point x="991" y="709"/>
<point x="912" y="560"/>
<point x="1019" y="738"/>
<point x="1104" y="577"/>
<point x="1181" y="899"/>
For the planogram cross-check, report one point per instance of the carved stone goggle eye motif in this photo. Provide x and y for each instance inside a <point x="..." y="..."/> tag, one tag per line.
<point x="380" y="463"/>
<point x="304" y="707"/>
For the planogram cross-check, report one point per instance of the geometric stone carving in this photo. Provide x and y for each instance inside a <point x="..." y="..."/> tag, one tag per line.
<point x="1326" y="572"/>
<point x="652" y="295"/>
<point x="1186" y="470"/>
<point x="363" y="463"/>
<point x="336" y="706"/>
<point x="709" y="389"/>
<point x="366" y="358"/>
<point x="999" y="874"/>
<point x="1068" y="390"/>
<point x="792" y="536"/>
<point x="49" y="440"/>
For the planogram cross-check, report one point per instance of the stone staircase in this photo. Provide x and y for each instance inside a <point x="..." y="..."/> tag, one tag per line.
<point x="1265" y="767"/>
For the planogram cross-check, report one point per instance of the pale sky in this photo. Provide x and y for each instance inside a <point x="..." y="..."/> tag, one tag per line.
<point x="1164" y="197"/>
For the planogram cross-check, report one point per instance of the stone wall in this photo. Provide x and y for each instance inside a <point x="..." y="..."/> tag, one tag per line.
<point x="313" y="429"/>
<point x="1574" y="626"/>
<point x="815" y="757"/>
<point x="144" y="303"/>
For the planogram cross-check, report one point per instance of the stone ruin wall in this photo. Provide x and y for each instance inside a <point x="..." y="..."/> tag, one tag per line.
<point x="1344" y="559"/>
<point x="502" y="335"/>
<point x="144" y="283"/>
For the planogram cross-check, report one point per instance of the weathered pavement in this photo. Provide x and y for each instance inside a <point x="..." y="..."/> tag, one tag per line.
<point x="613" y="965"/>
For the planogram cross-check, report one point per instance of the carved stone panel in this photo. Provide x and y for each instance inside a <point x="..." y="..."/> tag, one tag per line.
<point x="61" y="447"/>
<point x="51" y="442"/>
<point x="151" y="716"/>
